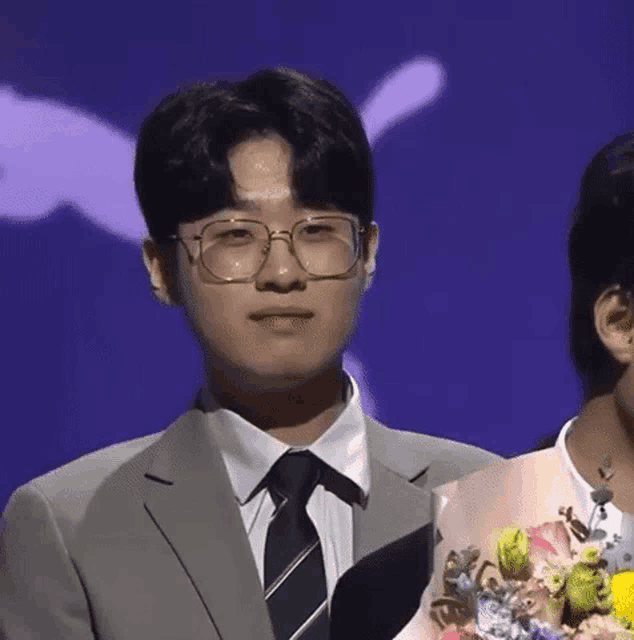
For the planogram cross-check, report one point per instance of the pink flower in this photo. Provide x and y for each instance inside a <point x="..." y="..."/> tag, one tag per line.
<point x="548" y="540"/>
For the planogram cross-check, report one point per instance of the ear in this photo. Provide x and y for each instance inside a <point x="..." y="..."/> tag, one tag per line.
<point x="158" y="264"/>
<point x="371" y="247"/>
<point x="614" y="323"/>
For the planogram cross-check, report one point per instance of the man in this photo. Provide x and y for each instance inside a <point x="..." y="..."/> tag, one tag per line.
<point x="237" y="520"/>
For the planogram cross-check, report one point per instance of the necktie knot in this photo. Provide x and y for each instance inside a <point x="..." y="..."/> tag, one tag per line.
<point x="295" y="475"/>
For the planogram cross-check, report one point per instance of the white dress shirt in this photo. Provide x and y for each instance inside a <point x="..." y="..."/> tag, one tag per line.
<point x="249" y="453"/>
<point x="617" y="522"/>
<point x="612" y="524"/>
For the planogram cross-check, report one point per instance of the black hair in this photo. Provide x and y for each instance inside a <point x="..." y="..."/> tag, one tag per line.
<point x="181" y="172"/>
<point x="601" y="255"/>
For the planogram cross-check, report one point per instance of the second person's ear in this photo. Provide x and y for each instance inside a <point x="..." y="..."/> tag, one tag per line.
<point x="614" y="323"/>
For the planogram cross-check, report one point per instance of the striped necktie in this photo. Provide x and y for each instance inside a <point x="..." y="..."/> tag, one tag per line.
<point x="294" y="575"/>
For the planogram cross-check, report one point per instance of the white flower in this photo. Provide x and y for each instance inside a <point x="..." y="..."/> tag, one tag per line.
<point x="494" y="619"/>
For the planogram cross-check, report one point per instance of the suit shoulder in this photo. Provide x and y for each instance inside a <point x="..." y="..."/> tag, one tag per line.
<point x="95" y="466"/>
<point x="68" y="489"/>
<point x="435" y="460"/>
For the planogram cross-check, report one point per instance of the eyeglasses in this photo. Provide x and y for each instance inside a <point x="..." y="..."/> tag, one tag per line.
<point x="235" y="250"/>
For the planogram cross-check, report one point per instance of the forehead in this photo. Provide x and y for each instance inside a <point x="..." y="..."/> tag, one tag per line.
<point x="262" y="184"/>
<point x="261" y="170"/>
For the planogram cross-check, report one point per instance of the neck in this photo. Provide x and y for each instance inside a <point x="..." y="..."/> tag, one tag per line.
<point x="604" y="428"/>
<point x="297" y="413"/>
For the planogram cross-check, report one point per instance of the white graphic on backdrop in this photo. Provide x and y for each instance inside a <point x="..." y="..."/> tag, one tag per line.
<point x="52" y="155"/>
<point x="402" y="93"/>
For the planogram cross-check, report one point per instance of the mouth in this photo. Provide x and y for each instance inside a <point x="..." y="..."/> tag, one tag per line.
<point x="283" y="321"/>
<point x="281" y="312"/>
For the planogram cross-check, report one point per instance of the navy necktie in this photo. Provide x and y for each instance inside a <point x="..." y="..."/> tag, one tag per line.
<point x="294" y="575"/>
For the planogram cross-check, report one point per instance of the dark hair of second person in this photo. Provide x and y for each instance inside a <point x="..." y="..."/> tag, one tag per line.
<point x="601" y="255"/>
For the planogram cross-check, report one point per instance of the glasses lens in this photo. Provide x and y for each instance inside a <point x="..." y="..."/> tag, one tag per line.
<point x="234" y="249"/>
<point x="326" y="246"/>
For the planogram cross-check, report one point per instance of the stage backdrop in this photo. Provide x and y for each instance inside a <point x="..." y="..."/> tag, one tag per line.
<point x="482" y="116"/>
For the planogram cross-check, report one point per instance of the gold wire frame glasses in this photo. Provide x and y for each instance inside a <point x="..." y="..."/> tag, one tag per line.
<point x="236" y="250"/>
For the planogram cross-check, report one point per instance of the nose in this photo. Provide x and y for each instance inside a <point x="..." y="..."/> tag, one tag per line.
<point x="281" y="271"/>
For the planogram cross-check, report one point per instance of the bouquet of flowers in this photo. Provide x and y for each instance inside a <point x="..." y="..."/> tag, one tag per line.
<point x="538" y="578"/>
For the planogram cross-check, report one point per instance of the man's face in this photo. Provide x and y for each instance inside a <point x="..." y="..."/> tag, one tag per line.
<point x="243" y="325"/>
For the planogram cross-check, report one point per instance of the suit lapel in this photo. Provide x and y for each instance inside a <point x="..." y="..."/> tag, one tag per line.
<point x="394" y="508"/>
<point x="191" y="501"/>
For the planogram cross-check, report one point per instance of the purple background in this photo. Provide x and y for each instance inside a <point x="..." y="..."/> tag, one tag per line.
<point x="464" y="332"/>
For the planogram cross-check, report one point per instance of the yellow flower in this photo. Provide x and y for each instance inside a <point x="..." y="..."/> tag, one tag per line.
<point x="584" y="588"/>
<point x="512" y="551"/>
<point x="590" y="555"/>
<point x="555" y="582"/>
<point x="623" y="592"/>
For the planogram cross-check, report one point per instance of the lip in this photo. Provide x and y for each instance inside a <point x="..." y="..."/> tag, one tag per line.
<point x="282" y="312"/>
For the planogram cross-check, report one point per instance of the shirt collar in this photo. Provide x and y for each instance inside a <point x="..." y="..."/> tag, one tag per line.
<point x="249" y="452"/>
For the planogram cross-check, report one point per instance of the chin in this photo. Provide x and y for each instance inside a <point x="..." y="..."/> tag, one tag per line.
<point x="282" y="375"/>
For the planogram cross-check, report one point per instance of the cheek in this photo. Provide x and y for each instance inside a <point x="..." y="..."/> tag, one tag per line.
<point x="214" y="314"/>
<point x="624" y="390"/>
<point x="339" y="305"/>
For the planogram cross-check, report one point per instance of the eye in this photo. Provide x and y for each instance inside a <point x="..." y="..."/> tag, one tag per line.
<point x="237" y="233"/>
<point x="316" y="231"/>
<point x="234" y="236"/>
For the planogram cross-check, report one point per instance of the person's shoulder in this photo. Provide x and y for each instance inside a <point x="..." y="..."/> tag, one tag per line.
<point x="93" y="467"/>
<point x="65" y="492"/>
<point x="429" y="461"/>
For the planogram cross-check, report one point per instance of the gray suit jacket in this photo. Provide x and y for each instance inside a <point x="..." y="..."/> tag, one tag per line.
<point x="144" y="540"/>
